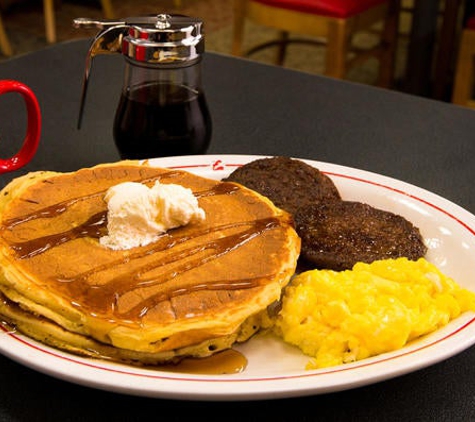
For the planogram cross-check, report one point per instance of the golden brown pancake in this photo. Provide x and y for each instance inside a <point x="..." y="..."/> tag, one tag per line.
<point x="196" y="290"/>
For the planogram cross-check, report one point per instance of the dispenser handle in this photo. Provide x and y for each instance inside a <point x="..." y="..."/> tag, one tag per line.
<point x="108" y="41"/>
<point x="88" y="23"/>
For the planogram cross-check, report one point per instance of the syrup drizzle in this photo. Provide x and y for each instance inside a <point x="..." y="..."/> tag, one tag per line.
<point x="94" y="227"/>
<point x="61" y="207"/>
<point x="104" y="299"/>
<point x="226" y="362"/>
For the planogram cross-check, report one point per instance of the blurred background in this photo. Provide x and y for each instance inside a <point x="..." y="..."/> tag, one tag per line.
<point x="25" y="27"/>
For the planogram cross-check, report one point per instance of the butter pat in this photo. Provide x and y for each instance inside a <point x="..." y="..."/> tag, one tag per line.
<point x="137" y="214"/>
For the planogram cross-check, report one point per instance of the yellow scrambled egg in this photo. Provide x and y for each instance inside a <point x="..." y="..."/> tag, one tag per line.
<point x="341" y="317"/>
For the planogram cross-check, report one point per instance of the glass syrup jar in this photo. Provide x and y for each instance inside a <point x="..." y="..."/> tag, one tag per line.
<point x="162" y="109"/>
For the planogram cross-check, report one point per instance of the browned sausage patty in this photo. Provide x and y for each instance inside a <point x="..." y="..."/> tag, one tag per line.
<point x="338" y="234"/>
<point x="288" y="182"/>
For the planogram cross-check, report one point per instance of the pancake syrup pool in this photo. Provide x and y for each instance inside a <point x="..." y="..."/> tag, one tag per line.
<point x="160" y="119"/>
<point x="162" y="109"/>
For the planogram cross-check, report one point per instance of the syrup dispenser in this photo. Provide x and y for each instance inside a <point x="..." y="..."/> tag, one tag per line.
<point x="162" y="109"/>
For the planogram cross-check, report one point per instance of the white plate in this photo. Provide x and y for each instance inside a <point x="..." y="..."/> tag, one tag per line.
<point x="276" y="370"/>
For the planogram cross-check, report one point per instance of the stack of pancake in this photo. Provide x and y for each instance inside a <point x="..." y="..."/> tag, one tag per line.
<point x="197" y="290"/>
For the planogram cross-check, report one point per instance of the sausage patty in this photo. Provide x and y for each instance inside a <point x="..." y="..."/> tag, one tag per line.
<point x="289" y="183"/>
<point x="337" y="234"/>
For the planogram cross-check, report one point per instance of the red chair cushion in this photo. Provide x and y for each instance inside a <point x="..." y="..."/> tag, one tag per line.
<point x="471" y="22"/>
<point x="333" y="8"/>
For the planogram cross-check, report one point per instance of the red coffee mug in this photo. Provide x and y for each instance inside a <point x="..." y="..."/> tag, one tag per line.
<point x="32" y="139"/>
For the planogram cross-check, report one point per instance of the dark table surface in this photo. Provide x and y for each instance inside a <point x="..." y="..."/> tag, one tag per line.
<point x="257" y="109"/>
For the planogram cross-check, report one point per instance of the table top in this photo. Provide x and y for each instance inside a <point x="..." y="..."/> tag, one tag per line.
<point x="256" y="109"/>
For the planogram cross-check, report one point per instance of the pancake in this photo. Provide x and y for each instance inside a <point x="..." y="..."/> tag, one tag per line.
<point x="195" y="291"/>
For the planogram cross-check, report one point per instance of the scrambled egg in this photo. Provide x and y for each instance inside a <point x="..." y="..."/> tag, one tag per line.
<point x="341" y="317"/>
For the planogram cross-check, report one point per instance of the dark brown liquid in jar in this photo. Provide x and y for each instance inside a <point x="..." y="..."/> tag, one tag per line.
<point x="162" y="119"/>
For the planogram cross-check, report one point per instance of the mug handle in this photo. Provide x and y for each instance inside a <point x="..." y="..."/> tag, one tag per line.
<point x="31" y="141"/>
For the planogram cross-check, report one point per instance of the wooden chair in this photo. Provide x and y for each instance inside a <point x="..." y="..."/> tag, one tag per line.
<point x="335" y="22"/>
<point x="50" y="21"/>
<point x="463" y="91"/>
<point x="5" y="46"/>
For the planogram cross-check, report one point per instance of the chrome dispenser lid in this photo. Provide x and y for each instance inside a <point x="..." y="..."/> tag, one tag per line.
<point x="164" y="39"/>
